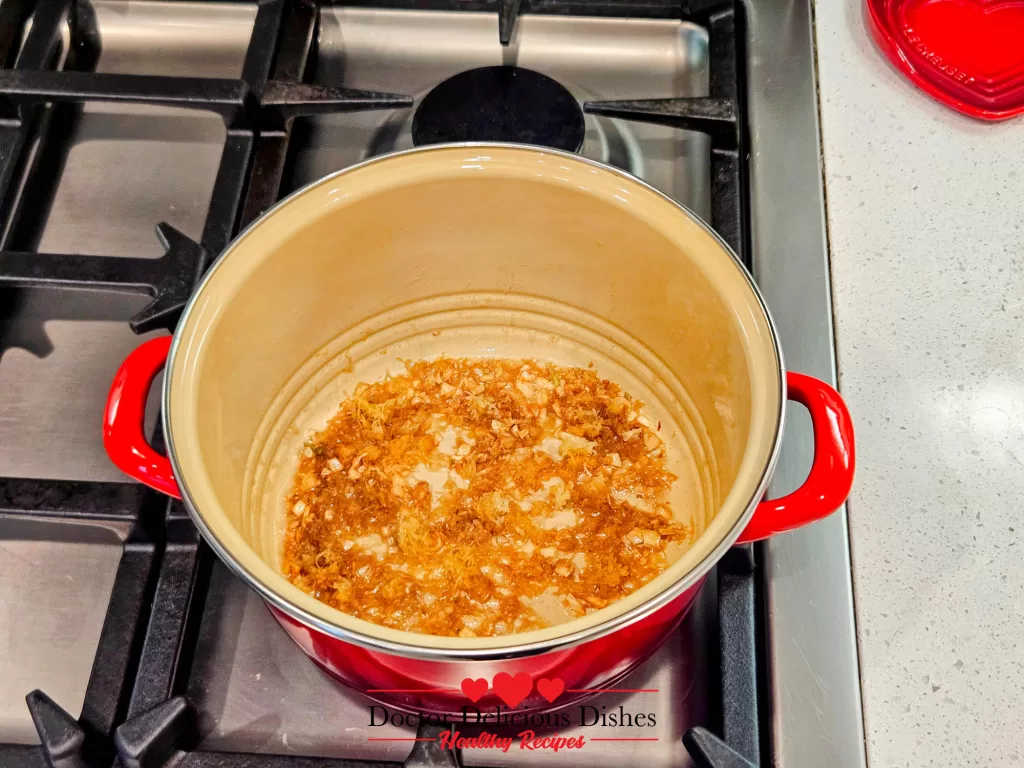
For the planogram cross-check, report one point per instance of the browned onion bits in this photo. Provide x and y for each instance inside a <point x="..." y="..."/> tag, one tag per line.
<point x="481" y="497"/>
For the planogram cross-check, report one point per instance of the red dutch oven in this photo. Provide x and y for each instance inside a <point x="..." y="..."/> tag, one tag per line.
<point x="475" y="251"/>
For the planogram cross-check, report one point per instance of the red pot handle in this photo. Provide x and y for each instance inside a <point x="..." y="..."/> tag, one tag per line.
<point x="831" y="476"/>
<point x="124" y="419"/>
<point x="824" y="491"/>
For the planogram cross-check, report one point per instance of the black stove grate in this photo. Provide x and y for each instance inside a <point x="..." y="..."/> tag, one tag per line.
<point x="135" y="712"/>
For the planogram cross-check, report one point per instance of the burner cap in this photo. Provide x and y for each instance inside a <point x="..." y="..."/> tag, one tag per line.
<point x="500" y="104"/>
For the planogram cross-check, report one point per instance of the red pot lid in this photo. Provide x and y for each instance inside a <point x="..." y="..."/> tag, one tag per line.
<point x="968" y="54"/>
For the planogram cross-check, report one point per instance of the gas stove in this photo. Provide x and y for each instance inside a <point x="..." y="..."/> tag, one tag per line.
<point x="140" y="136"/>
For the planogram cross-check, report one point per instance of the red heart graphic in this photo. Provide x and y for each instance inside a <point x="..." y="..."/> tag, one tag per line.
<point x="474" y="689"/>
<point x="550" y="689"/>
<point x="966" y="53"/>
<point x="512" y="690"/>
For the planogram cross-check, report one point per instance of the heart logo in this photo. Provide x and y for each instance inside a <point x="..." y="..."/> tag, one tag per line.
<point x="512" y="690"/>
<point x="550" y="689"/>
<point x="474" y="689"/>
<point x="965" y="53"/>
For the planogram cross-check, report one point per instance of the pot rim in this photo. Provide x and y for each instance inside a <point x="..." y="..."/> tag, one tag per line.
<point x="613" y="624"/>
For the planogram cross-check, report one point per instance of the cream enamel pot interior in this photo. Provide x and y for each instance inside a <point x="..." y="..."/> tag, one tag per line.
<point x="474" y="250"/>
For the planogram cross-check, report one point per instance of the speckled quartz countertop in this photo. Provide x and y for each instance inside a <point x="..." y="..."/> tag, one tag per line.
<point x="926" y="228"/>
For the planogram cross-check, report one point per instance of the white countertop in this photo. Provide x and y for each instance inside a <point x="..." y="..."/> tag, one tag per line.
<point x="926" y="229"/>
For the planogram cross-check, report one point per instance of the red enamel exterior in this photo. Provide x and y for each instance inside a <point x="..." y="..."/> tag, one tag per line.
<point x="432" y="685"/>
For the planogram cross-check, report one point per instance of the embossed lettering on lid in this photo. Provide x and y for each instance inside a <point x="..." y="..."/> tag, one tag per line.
<point x="966" y="54"/>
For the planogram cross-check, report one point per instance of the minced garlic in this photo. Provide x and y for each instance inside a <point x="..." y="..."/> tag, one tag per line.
<point x="422" y="504"/>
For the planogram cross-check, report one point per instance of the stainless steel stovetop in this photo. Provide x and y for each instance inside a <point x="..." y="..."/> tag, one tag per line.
<point x="128" y="166"/>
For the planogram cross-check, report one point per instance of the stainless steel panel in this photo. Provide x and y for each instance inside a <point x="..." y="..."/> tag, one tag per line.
<point x="55" y="582"/>
<point x="129" y="166"/>
<point x="59" y="354"/>
<point x="815" y="684"/>
<point x="410" y="52"/>
<point x="126" y="169"/>
<point x="257" y="692"/>
<point x="193" y="39"/>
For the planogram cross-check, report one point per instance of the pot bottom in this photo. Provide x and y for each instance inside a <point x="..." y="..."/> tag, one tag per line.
<point x="415" y="686"/>
<point x="477" y="325"/>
